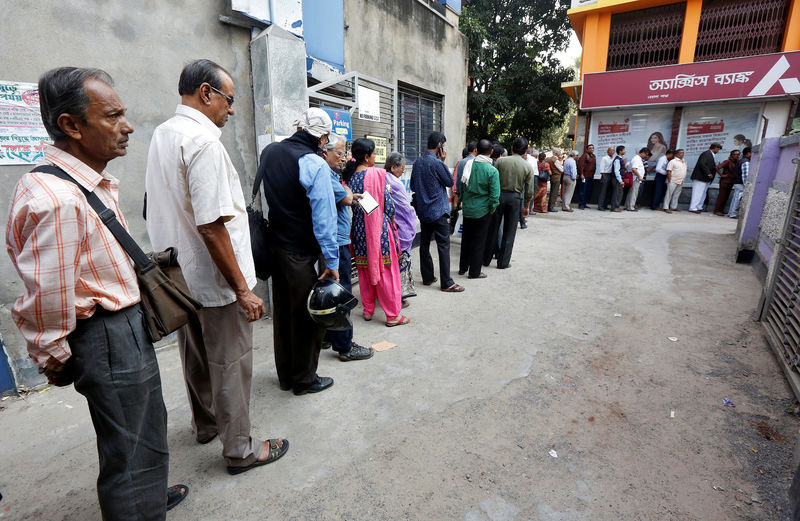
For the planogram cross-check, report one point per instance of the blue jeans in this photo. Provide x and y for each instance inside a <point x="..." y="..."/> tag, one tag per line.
<point x="342" y="341"/>
<point x="737" y="196"/>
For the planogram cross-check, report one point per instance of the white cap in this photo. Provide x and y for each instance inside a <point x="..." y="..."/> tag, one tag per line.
<point x="315" y="121"/>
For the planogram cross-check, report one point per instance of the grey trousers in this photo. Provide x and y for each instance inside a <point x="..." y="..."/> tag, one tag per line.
<point x="633" y="194"/>
<point x="114" y="366"/>
<point x="217" y="356"/>
<point x="569" y="189"/>
<point x="673" y="194"/>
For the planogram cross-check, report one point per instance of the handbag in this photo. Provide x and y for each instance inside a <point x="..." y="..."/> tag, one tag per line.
<point x="259" y="235"/>
<point x="627" y="179"/>
<point x="166" y="300"/>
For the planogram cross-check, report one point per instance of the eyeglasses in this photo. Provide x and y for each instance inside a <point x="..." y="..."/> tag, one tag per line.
<point x="229" y="99"/>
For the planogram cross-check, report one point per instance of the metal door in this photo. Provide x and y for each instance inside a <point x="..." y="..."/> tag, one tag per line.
<point x="781" y="312"/>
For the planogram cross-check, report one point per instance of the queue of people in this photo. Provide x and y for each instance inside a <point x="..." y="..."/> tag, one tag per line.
<point x="82" y="316"/>
<point x="81" y="313"/>
<point x="621" y="179"/>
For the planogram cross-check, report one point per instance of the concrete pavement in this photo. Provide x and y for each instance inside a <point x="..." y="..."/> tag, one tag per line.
<point x="459" y="420"/>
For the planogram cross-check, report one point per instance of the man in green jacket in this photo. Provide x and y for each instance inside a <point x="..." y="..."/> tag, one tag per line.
<point x="516" y="180"/>
<point x="479" y="190"/>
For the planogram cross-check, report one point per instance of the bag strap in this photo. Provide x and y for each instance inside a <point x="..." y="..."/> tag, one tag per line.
<point x="259" y="180"/>
<point x="139" y="258"/>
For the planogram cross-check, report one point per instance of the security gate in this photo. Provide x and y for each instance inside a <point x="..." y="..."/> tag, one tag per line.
<point x="781" y="312"/>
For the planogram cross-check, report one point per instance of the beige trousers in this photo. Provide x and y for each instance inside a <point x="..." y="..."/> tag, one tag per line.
<point x="217" y="356"/>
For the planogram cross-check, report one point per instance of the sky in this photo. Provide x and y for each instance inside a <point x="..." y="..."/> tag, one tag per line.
<point x="569" y="56"/>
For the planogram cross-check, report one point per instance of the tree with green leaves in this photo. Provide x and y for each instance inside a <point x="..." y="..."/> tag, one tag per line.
<point x="515" y="77"/>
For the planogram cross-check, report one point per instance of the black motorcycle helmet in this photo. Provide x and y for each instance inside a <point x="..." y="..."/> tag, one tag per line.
<point x="329" y="303"/>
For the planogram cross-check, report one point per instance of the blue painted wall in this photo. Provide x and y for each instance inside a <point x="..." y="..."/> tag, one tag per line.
<point x="6" y="382"/>
<point x="455" y="5"/>
<point x="323" y="30"/>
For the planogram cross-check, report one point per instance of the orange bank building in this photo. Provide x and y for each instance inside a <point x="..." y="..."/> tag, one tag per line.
<point x="666" y="74"/>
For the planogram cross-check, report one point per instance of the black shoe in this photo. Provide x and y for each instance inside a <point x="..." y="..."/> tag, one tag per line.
<point x="326" y="345"/>
<point x="523" y="226"/>
<point x="176" y="494"/>
<point x="357" y="352"/>
<point x="461" y="272"/>
<point x="553" y="211"/>
<point x="320" y="383"/>
<point x="602" y="209"/>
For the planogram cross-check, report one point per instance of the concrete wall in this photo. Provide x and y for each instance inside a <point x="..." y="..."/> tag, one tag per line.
<point x="767" y="199"/>
<point x="143" y="45"/>
<point x="403" y="41"/>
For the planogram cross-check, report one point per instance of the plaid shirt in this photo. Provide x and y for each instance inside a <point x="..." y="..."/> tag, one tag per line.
<point x="65" y="255"/>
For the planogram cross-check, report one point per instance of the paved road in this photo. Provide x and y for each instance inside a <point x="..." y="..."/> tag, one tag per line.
<point x="459" y="421"/>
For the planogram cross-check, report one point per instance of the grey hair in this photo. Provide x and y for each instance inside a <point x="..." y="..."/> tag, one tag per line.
<point x="334" y="140"/>
<point x="556" y="151"/>
<point x="62" y="91"/>
<point x="392" y="160"/>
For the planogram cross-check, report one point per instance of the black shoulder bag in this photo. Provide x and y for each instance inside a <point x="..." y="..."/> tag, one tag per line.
<point x="166" y="300"/>
<point x="259" y="234"/>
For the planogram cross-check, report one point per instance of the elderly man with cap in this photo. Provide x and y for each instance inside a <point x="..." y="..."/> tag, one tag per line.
<point x="303" y="220"/>
<point x="568" y="180"/>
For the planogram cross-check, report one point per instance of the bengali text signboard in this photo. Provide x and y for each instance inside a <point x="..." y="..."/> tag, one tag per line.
<point x="22" y="134"/>
<point x="768" y="75"/>
<point x="381" y="148"/>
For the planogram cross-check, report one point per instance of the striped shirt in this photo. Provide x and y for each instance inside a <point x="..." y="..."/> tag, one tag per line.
<point x="65" y="255"/>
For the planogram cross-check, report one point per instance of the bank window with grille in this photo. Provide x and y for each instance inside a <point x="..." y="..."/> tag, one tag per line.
<point x="734" y="28"/>
<point x="646" y="37"/>
<point x="419" y="114"/>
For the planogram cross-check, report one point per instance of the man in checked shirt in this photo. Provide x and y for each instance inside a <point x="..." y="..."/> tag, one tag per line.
<point x="80" y="313"/>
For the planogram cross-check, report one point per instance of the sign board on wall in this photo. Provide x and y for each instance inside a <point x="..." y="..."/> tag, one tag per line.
<point x="381" y="148"/>
<point x="635" y="129"/>
<point x="22" y="134"/>
<point x="369" y="104"/>
<point x="764" y="76"/>
<point x="342" y="123"/>
<point x="732" y="126"/>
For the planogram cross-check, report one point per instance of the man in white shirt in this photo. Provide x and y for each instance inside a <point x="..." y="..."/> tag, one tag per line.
<point x="605" y="178"/>
<point x="196" y="205"/>
<point x="661" y="178"/>
<point x="676" y="173"/>
<point x="532" y="158"/>
<point x="637" y="166"/>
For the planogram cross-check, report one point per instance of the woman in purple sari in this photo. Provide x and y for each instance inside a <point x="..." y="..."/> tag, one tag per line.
<point x="405" y="220"/>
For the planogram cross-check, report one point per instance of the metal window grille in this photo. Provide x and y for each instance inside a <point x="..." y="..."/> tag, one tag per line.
<point x="420" y="113"/>
<point x="734" y="28"/>
<point x="646" y="37"/>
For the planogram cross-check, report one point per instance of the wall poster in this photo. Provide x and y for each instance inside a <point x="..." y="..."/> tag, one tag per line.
<point x="369" y="104"/>
<point x="732" y="126"/>
<point x="381" y="148"/>
<point x="22" y="134"/>
<point x="633" y="128"/>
